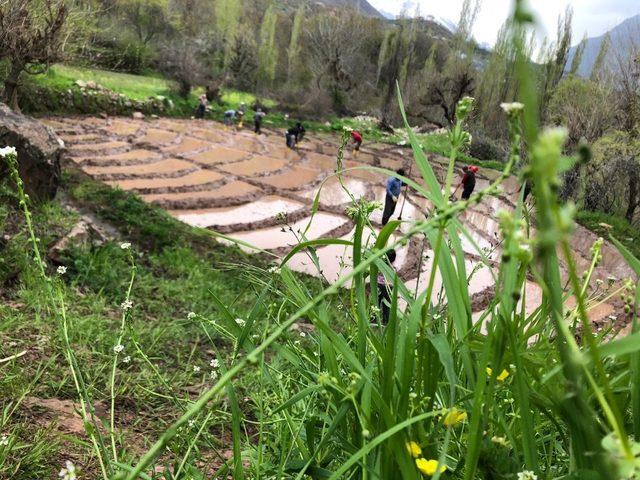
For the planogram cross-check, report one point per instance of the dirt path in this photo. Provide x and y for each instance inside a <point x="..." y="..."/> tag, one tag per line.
<point x="241" y="185"/>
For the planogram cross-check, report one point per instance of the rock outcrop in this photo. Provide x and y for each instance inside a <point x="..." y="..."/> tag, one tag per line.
<point x="39" y="150"/>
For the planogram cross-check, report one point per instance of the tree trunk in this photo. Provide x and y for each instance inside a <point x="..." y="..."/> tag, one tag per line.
<point x="11" y="84"/>
<point x="184" y="88"/>
<point x="633" y="195"/>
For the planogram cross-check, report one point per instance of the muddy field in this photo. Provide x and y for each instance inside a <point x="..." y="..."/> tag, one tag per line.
<point x="240" y="184"/>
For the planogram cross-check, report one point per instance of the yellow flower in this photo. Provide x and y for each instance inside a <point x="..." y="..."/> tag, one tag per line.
<point x="414" y="449"/>
<point x="503" y="376"/>
<point x="454" y="417"/>
<point x="429" y="467"/>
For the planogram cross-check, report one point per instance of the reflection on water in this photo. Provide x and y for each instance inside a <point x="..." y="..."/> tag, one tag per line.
<point x="263" y="209"/>
<point x="277" y="237"/>
<point x="335" y="260"/>
<point x="333" y="193"/>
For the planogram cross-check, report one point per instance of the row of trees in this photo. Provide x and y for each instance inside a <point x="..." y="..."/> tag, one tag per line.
<point x="348" y="62"/>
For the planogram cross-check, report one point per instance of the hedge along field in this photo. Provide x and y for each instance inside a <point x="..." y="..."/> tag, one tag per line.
<point x="433" y="393"/>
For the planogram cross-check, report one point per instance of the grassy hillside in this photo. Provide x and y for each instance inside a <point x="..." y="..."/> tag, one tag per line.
<point x="167" y="350"/>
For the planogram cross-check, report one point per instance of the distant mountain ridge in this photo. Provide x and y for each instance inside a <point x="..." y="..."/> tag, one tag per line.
<point x="363" y="6"/>
<point x="623" y="39"/>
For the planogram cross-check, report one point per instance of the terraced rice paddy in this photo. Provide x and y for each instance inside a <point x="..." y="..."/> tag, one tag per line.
<point x="243" y="185"/>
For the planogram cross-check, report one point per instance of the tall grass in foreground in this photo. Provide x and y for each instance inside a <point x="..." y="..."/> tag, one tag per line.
<point x="434" y="392"/>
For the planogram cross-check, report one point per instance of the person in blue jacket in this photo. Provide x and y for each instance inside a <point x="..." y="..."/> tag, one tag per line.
<point x="394" y="187"/>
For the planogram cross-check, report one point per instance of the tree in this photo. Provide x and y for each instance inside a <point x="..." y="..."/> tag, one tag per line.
<point x="179" y="60"/>
<point x="335" y="55"/>
<point x="599" y="64"/>
<point x="227" y="19"/>
<point x="243" y="63"/>
<point x="627" y="82"/>
<point x="556" y="58"/>
<point x="395" y="50"/>
<point x="294" y="50"/>
<point x="447" y="88"/>
<point x="148" y="18"/>
<point x="585" y="107"/>
<point x="497" y="83"/>
<point x="577" y="57"/>
<point x="267" y="51"/>
<point x="31" y="38"/>
<point x="612" y="179"/>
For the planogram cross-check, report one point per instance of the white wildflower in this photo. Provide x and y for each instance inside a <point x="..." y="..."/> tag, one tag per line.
<point x="126" y="305"/>
<point x="196" y="369"/>
<point x="527" y="475"/>
<point x="6" y="151"/>
<point x="303" y="334"/>
<point x="61" y="270"/>
<point x="213" y="374"/>
<point x="69" y="472"/>
<point x="118" y="348"/>
<point x="126" y="359"/>
<point x="214" y="363"/>
<point x="347" y="128"/>
<point x="192" y="423"/>
<point x="274" y="269"/>
<point x="4" y="441"/>
<point x="241" y="322"/>
<point x="401" y="143"/>
<point x="513" y="107"/>
<point x="125" y="246"/>
<point x="191" y="315"/>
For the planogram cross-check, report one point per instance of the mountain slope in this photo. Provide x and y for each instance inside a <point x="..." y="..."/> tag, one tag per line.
<point x="624" y="39"/>
<point x="363" y="6"/>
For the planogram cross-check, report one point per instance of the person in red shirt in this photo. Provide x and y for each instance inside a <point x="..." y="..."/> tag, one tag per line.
<point x="468" y="182"/>
<point x="356" y="139"/>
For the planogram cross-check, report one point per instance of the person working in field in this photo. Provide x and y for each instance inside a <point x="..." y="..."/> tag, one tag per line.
<point x="528" y="187"/>
<point x="384" y="290"/>
<point x="468" y="182"/>
<point x="394" y="188"/>
<point x="241" y="112"/>
<point x="257" y="121"/>
<point x="202" y="106"/>
<point x="229" y="117"/>
<point x="356" y="140"/>
<point x="294" y="135"/>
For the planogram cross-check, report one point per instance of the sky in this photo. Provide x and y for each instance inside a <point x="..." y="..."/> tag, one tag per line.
<point x="593" y="17"/>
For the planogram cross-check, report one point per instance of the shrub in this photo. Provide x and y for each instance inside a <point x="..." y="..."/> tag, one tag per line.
<point x="484" y="148"/>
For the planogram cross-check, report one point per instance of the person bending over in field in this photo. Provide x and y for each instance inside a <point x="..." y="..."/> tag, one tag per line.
<point x="394" y="187"/>
<point x="229" y="118"/>
<point x="257" y="121"/>
<point x="356" y="140"/>
<point x="468" y="182"/>
<point x="241" y="112"/>
<point x="294" y="135"/>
